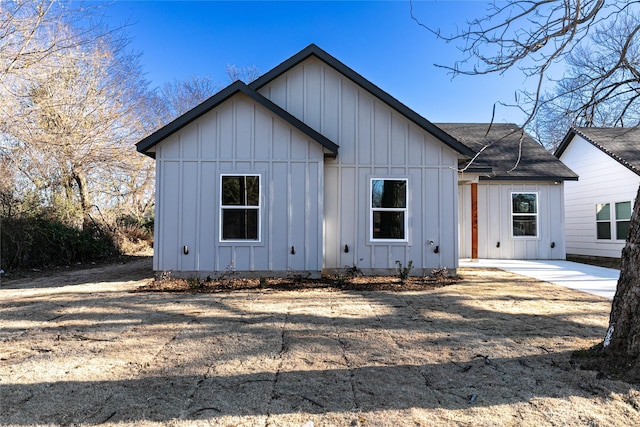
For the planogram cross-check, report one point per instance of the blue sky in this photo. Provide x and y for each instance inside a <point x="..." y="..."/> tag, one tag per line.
<point x="378" y="39"/>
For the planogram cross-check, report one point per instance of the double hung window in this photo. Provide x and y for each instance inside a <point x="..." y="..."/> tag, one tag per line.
<point x="623" y="217"/>
<point x="524" y="214"/>
<point x="240" y="207"/>
<point x="388" y="209"/>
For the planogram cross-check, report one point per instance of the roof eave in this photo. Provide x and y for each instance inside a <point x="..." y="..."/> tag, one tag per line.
<point x="565" y="142"/>
<point x="476" y="170"/>
<point x="150" y="141"/>
<point x="528" y="178"/>
<point x="145" y="144"/>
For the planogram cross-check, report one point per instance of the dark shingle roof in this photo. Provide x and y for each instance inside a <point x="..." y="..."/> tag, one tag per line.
<point x="622" y="144"/>
<point x="500" y="157"/>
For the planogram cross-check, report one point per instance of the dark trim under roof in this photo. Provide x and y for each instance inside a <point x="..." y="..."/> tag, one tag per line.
<point x="565" y="142"/>
<point x="614" y="133"/>
<point x="238" y="87"/>
<point x="313" y="50"/>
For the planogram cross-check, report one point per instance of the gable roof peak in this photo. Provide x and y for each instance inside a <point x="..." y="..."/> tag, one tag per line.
<point x="314" y="50"/>
<point x="620" y="143"/>
<point x="236" y="87"/>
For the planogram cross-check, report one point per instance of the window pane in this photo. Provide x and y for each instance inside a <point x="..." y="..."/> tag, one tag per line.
<point x="603" y="213"/>
<point x="524" y="203"/>
<point x="603" y="230"/>
<point x="525" y="225"/>
<point x="239" y="224"/>
<point x="622" y="229"/>
<point x="388" y="193"/>
<point x="232" y="188"/>
<point x="240" y="190"/>
<point x="253" y="190"/>
<point x="388" y="225"/>
<point x="623" y="210"/>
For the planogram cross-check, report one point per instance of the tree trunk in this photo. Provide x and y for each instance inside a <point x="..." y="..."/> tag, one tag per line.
<point x="623" y="335"/>
<point x="83" y="191"/>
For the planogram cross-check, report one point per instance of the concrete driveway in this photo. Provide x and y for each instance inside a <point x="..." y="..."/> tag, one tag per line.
<point x="583" y="277"/>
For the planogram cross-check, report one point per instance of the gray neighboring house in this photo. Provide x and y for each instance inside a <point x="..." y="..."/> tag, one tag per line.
<point x="598" y="207"/>
<point x="312" y="168"/>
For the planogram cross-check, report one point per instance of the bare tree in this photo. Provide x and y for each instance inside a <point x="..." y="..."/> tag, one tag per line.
<point x="179" y="96"/>
<point x="245" y="74"/>
<point x="600" y="42"/>
<point x="598" y="88"/>
<point x="74" y="120"/>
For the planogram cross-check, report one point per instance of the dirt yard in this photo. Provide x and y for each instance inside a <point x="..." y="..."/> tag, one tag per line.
<point x="493" y="349"/>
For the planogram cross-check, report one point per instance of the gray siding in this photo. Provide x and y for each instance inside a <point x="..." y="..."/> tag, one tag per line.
<point x="375" y="141"/>
<point x="238" y="137"/>
<point x="494" y="221"/>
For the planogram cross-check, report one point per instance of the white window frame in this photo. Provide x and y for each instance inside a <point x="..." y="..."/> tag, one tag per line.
<point x="223" y="207"/>
<point x="616" y="220"/>
<point x="404" y="210"/>
<point x="612" y="221"/>
<point x="515" y="214"/>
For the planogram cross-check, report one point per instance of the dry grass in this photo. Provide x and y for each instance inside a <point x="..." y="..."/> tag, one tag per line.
<point x="492" y="349"/>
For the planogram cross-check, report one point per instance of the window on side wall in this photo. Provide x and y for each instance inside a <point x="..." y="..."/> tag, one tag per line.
<point x="388" y="209"/>
<point x="240" y="208"/>
<point x="603" y="221"/>
<point x="623" y="217"/>
<point x="524" y="214"/>
<point x="613" y="217"/>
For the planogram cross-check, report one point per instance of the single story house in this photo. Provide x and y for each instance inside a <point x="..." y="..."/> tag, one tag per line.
<point x="312" y="168"/>
<point x="598" y="207"/>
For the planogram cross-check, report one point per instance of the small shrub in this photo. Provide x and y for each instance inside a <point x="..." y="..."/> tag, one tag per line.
<point x="352" y="271"/>
<point x="226" y="277"/>
<point x="264" y="282"/>
<point x="194" y="283"/>
<point x="347" y="274"/>
<point x="404" y="272"/>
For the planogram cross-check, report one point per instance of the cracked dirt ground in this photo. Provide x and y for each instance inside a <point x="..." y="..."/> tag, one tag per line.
<point x="493" y="349"/>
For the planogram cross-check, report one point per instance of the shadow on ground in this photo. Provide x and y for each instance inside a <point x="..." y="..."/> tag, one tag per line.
<point x="493" y="349"/>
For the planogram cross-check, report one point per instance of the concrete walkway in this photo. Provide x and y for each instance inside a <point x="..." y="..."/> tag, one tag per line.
<point x="583" y="277"/>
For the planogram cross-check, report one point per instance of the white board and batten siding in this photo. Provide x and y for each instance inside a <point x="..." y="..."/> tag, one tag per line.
<point x="495" y="234"/>
<point x="375" y="142"/>
<point x="602" y="180"/>
<point x="238" y="137"/>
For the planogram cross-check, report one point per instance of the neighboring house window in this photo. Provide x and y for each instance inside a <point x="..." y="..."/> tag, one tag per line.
<point x="240" y="207"/>
<point x="388" y="211"/>
<point x="524" y="214"/>
<point x="603" y="221"/>
<point x="623" y="217"/>
<point x="606" y="219"/>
